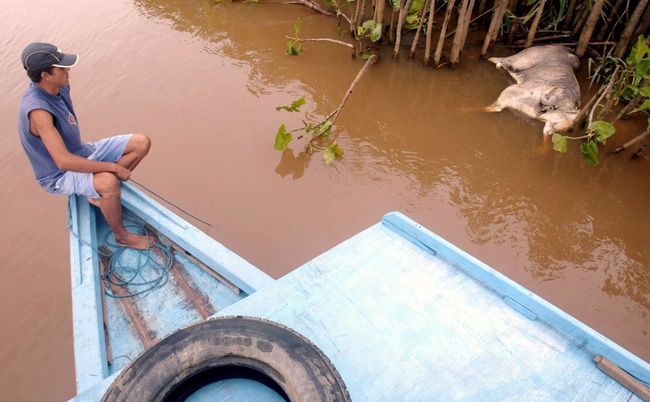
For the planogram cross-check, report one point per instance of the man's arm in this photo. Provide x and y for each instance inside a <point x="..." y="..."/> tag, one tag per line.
<point x="42" y="125"/>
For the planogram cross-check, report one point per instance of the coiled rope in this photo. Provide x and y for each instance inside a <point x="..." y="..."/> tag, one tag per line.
<point x="149" y="272"/>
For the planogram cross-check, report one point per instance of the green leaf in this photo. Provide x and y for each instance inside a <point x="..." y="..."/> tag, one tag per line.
<point x="295" y="105"/>
<point x="291" y="49"/>
<point x="375" y="29"/>
<point x="295" y="26"/>
<point x="282" y="139"/>
<point x="375" y="34"/>
<point x="560" y="142"/>
<point x="325" y="134"/>
<point x="412" y="21"/>
<point x="645" y="105"/>
<point x="603" y="130"/>
<point x="638" y="52"/>
<point x="628" y="92"/>
<point x="415" y="6"/>
<point x="642" y="69"/>
<point x="360" y="30"/>
<point x="369" y="24"/>
<point x="331" y="153"/>
<point x="645" y="92"/>
<point x="590" y="152"/>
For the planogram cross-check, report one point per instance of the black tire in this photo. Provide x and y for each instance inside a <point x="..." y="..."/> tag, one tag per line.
<point x="230" y="347"/>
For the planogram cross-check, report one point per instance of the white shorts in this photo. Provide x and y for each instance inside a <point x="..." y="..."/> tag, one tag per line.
<point x="107" y="150"/>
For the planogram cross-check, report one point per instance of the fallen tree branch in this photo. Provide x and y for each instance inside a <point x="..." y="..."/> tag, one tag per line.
<point x="312" y="5"/>
<point x="340" y="42"/>
<point x="335" y="114"/>
<point x="631" y="142"/>
<point x="585" y="109"/>
<point x="607" y="93"/>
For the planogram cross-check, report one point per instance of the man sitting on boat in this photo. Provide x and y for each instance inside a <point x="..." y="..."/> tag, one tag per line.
<point x="62" y="163"/>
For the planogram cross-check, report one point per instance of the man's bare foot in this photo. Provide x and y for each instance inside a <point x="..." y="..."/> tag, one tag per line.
<point x="137" y="242"/>
<point x="95" y="201"/>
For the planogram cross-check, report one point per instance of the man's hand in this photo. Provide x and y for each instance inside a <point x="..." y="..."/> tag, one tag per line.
<point x="122" y="173"/>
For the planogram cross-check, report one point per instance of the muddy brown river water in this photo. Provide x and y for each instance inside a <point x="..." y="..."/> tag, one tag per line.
<point x="202" y="79"/>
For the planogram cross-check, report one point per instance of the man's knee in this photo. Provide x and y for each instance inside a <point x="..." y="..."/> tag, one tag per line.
<point x="141" y="144"/>
<point x="106" y="184"/>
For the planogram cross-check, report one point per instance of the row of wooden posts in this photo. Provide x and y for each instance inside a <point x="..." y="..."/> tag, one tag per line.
<point x="578" y="24"/>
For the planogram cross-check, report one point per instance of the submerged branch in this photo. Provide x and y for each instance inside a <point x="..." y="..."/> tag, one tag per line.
<point x="312" y="5"/>
<point x="607" y="92"/>
<point x="335" y="114"/>
<point x="339" y="42"/>
<point x="631" y="142"/>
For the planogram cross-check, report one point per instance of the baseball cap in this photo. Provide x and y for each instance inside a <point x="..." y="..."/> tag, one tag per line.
<point x="38" y="56"/>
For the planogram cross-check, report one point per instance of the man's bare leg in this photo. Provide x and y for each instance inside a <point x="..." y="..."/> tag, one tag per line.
<point x="136" y="149"/>
<point x="108" y="186"/>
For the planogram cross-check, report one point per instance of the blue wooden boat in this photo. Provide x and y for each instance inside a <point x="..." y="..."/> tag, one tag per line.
<point x="394" y="313"/>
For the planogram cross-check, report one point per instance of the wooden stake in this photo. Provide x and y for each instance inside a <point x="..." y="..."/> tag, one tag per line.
<point x="427" y="46"/>
<point x="441" y="39"/>
<point x="588" y="30"/>
<point x="423" y="7"/>
<point x="403" y="12"/>
<point x="493" y="30"/>
<point x="569" y="13"/>
<point x="624" y="40"/>
<point x="533" y="27"/>
<point x="458" y="38"/>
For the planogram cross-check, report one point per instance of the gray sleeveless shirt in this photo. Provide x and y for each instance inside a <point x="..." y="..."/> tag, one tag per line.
<point x="65" y="121"/>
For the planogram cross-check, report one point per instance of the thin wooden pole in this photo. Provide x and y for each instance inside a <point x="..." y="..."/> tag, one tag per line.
<point x="441" y="39"/>
<point x="468" y="19"/>
<point x="569" y="14"/>
<point x="403" y="12"/>
<point x="624" y="40"/>
<point x="427" y="46"/>
<point x="379" y="11"/>
<point x="580" y="20"/>
<point x="458" y="38"/>
<point x="423" y="7"/>
<point x="588" y="30"/>
<point x="608" y="21"/>
<point x="495" y="24"/>
<point x="533" y="27"/>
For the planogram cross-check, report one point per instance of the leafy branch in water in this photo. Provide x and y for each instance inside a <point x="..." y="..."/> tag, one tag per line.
<point x="623" y="81"/>
<point x="317" y="133"/>
<point x="598" y="132"/>
<point x="294" y="45"/>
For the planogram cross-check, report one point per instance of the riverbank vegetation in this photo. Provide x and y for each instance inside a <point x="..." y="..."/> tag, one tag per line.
<point x="609" y="36"/>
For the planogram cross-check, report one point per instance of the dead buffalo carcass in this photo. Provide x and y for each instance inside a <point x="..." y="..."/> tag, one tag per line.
<point x="546" y="88"/>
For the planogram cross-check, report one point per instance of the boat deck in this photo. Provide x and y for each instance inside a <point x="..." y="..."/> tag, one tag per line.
<point x="401" y="313"/>
<point x="404" y="315"/>
<point x="187" y="294"/>
<point x="111" y="331"/>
